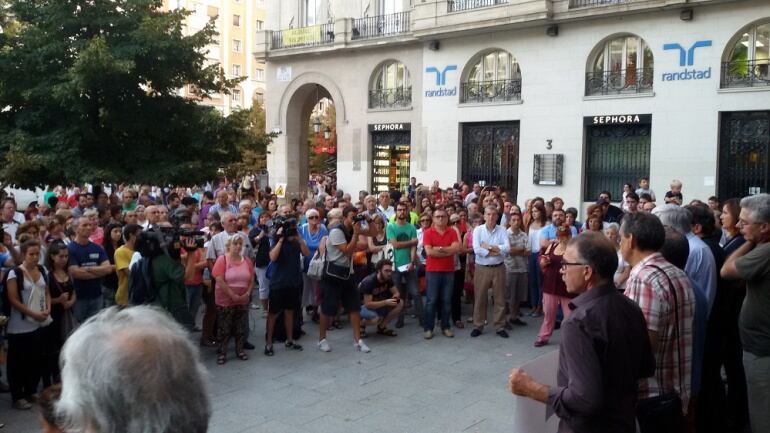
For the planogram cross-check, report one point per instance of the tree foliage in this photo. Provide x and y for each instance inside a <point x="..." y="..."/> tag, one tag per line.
<point x="89" y="90"/>
<point x="252" y="154"/>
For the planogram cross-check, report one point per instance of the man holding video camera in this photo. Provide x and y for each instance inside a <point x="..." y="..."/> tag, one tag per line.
<point x="286" y="280"/>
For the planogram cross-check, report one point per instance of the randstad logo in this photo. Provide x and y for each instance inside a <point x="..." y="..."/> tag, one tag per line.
<point x="441" y="82"/>
<point x="687" y="58"/>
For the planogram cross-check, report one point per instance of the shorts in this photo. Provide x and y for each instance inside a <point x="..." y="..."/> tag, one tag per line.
<point x="336" y="291"/>
<point x="263" y="283"/>
<point x="283" y="298"/>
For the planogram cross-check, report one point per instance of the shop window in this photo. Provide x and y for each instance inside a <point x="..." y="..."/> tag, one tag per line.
<point x="391" y="86"/>
<point x="747" y="63"/>
<point x="491" y="77"/>
<point x="621" y="65"/>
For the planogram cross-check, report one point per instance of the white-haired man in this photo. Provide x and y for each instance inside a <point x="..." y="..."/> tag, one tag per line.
<point x="132" y="370"/>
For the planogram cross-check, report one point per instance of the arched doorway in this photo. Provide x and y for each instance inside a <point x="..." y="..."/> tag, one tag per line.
<point x="290" y="154"/>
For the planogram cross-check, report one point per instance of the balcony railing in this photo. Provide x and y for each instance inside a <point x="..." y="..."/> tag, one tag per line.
<point x="390" y="98"/>
<point x="620" y="82"/>
<point x="588" y="3"/>
<point x="321" y="34"/>
<point x="380" y="25"/>
<point x="464" y="5"/>
<point x="746" y="73"/>
<point x="490" y="91"/>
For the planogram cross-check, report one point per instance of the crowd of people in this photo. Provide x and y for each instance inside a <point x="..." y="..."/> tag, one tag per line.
<point x="392" y="259"/>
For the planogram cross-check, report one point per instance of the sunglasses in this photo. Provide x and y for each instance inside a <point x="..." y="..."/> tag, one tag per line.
<point x="313" y="217"/>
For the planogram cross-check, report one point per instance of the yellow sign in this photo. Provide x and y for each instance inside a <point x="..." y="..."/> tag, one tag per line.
<point x="280" y="190"/>
<point x="301" y="36"/>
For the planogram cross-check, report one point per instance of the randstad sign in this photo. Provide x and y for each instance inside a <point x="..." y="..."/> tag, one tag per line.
<point x="687" y="58"/>
<point x="441" y="88"/>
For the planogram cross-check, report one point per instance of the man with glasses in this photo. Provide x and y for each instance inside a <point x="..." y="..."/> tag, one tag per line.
<point x="604" y="349"/>
<point x="403" y="237"/>
<point x="441" y="244"/>
<point x="751" y="263"/>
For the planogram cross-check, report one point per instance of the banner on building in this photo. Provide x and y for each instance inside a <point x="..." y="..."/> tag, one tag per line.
<point x="301" y="36"/>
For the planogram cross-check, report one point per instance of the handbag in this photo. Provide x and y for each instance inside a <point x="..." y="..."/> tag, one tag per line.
<point x="68" y="324"/>
<point x="315" y="269"/>
<point x="663" y="413"/>
<point x="385" y="253"/>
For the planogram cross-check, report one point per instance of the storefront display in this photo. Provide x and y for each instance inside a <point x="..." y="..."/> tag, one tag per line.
<point x="390" y="156"/>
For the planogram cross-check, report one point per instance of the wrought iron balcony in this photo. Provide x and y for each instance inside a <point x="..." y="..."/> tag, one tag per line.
<point x="587" y="3"/>
<point x="391" y="98"/>
<point x="745" y="73"/>
<point x="490" y="91"/>
<point x="380" y="26"/>
<point x="620" y="82"/>
<point x="321" y="34"/>
<point x="464" y="5"/>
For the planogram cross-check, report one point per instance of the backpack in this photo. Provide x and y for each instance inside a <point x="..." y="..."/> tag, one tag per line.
<point x="141" y="289"/>
<point x="5" y="303"/>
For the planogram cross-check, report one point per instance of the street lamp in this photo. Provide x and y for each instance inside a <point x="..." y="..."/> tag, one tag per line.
<point x="317" y="125"/>
<point x="327" y="133"/>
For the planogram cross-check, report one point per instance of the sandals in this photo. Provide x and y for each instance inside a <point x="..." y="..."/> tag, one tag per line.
<point x="221" y="359"/>
<point x="269" y="350"/>
<point x="243" y="356"/>
<point x="292" y="345"/>
<point x="386" y="332"/>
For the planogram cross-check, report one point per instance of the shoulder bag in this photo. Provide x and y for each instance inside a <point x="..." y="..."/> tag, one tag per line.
<point x="663" y="413"/>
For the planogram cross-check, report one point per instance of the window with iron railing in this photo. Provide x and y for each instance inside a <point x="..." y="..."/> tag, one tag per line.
<point x="380" y="26"/>
<point x="463" y="5"/>
<point x="303" y="37"/>
<point x="622" y="65"/>
<point x="493" y="77"/>
<point x="748" y="64"/>
<point x="391" y="87"/>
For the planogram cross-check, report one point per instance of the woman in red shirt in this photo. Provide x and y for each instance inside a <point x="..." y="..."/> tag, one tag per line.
<point x="554" y="290"/>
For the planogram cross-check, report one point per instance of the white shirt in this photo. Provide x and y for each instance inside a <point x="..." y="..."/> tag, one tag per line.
<point x="497" y="237"/>
<point x="388" y="212"/>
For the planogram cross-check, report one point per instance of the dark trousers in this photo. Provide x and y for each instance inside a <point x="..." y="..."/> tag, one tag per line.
<point x="457" y="293"/>
<point x="51" y="344"/>
<point x="25" y="360"/>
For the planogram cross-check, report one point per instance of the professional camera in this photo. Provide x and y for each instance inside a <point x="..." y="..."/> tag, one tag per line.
<point x="166" y="240"/>
<point x="289" y="226"/>
<point x="358" y="218"/>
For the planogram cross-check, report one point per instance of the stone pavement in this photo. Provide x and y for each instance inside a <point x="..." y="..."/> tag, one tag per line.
<point x="406" y="384"/>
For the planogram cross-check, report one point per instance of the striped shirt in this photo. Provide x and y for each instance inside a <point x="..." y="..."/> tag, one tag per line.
<point x="652" y="291"/>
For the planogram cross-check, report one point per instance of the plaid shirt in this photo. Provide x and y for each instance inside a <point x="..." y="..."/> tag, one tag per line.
<point x="650" y="288"/>
<point x="517" y="263"/>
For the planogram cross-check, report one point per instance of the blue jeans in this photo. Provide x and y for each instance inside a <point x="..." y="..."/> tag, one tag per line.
<point x="193" y="299"/>
<point x="85" y="308"/>
<point x="406" y="283"/>
<point x="535" y="282"/>
<point x="440" y="285"/>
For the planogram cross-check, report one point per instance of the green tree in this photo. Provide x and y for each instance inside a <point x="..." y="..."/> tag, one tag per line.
<point x="252" y="152"/>
<point x="89" y="93"/>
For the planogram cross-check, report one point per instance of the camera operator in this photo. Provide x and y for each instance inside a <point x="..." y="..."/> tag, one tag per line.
<point x="286" y="280"/>
<point x="337" y="284"/>
<point x="168" y="276"/>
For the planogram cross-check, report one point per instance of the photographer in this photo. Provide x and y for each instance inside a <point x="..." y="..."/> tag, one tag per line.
<point x="382" y="302"/>
<point x="286" y="281"/>
<point x="337" y="284"/>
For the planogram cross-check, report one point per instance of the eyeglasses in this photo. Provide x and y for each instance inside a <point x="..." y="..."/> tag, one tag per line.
<point x="313" y="217"/>
<point x="565" y="264"/>
<point x="425" y="221"/>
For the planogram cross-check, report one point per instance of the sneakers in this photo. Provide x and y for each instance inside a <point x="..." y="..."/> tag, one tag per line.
<point x="476" y="332"/>
<point x="448" y="333"/>
<point x="22" y="404"/>
<point x="428" y="335"/>
<point x="323" y="346"/>
<point x="362" y="347"/>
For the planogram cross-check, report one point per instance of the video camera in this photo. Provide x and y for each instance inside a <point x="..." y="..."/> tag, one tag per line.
<point x="167" y="240"/>
<point x="288" y="224"/>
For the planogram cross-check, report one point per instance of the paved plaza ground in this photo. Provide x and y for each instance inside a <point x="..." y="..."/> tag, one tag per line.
<point x="406" y="384"/>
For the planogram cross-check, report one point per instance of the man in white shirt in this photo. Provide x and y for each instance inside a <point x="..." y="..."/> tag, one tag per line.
<point x="491" y="245"/>
<point x="385" y="208"/>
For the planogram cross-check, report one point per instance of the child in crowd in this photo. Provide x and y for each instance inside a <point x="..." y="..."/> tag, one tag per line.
<point x="644" y="187"/>
<point x="675" y="195"/>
